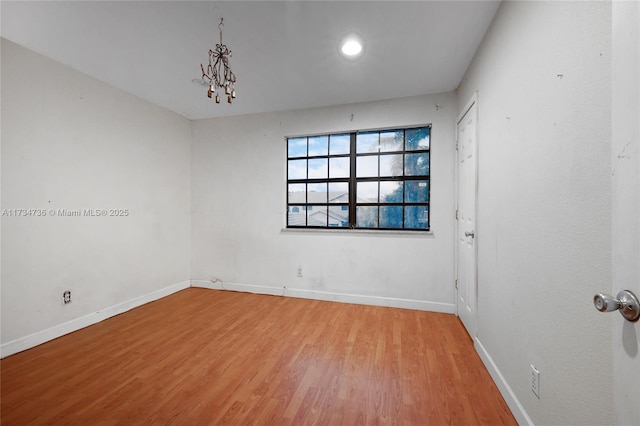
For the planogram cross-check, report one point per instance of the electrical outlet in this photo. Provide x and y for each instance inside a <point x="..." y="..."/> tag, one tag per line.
<point x="299" y="271"/>
<point x="535" y="381"/>
<point x="66" y="297"/>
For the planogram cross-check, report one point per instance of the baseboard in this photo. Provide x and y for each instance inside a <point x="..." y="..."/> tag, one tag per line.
<point x="40" y="337"/>
<point x="509" y="396"/>
<point x="390" y="302"/>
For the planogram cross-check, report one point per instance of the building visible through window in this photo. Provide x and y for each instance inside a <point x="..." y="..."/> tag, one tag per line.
<point x="362" y="180"/>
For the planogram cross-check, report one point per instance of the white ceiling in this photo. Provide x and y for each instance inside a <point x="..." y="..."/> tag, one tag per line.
<point x="285" y="53"/>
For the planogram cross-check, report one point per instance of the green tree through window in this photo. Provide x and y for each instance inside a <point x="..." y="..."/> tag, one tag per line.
<point x="362" y="180"/>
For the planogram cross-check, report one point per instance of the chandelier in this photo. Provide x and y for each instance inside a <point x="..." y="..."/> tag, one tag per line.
<point x="218" y="75"/>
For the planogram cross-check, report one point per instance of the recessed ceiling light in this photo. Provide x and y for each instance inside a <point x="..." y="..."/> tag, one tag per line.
<point x="351" y="46"/>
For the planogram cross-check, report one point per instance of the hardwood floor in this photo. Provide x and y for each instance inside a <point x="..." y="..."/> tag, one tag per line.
<point x="202" y="357"/>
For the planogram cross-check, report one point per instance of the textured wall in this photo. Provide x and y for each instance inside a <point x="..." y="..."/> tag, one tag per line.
<point x="544" y="206"/>
<point x="239" y="210"/>
<point x="72" y="143"/>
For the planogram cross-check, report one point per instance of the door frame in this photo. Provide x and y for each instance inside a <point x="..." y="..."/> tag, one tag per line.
<point x="470" y="104"/>
<point x="625" y="187"/>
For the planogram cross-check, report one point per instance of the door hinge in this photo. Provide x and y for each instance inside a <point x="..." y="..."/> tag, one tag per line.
<point x="456" y="284"/>
<point x="457" y="215"/>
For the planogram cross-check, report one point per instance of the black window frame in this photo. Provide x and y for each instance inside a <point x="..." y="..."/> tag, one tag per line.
<point x="352" y="181"/>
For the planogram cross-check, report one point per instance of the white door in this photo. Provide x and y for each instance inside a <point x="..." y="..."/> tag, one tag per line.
<point x="625" y="171"/>
<point x="466" y="219"/>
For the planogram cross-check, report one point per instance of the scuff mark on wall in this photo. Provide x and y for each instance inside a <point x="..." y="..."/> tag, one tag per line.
<point x="622" y="156"/>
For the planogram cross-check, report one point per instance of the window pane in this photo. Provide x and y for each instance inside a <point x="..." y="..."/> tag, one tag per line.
<point x="416" y="217"/>
<point x="339" y="167"/>
<point x="317" y="216"/>
<point x="318" y="168"/>
<point x="391" y="140"/>
<point x="367" y="142"/>
<point x="416" y="164"/>
<point x="389" y="181"/>
<point x="339" y="144"/>
<point x="297" y="169"/>
<point x="318" y="145"/>
<point x="339" y="192"/>
<point x="417" y="138"/>
<point x="367" y="166"/>
<point x="297" y="147"/>
<point x="391" y="192"/>
<point x="391" y="165"/>
<point x="297" y="193"/>
<point x="338" y="217"/>
<point x="317" y="193"/>
<point x="296" y="216"/>
<point x="416" y="191"/>
<point x="391" y="217"/>
<point x="366" y="217"/>
<point x="367" y="192"/>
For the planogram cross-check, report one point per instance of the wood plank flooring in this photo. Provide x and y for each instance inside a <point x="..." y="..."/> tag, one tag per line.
<point x="201" y="357"/>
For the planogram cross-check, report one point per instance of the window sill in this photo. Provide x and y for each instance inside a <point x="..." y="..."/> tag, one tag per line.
<point x="358" y="232"/>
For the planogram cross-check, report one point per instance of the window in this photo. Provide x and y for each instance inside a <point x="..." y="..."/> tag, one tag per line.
<point x="363" y="180"/>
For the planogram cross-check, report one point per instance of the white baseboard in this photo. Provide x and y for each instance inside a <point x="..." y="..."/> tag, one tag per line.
<point x="54" y="332"/>
<point x="509" y="396"/>
<point x="35" y="339"/>
<point x="392" y="302"/>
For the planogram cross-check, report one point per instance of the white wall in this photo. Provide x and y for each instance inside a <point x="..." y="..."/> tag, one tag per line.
<point x="71" y="142"/>
<point x="544" y="220"/>
<point x="239" y="210"/>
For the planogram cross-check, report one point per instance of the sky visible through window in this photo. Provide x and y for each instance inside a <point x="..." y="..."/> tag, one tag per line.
<point x="388" y="187"/>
